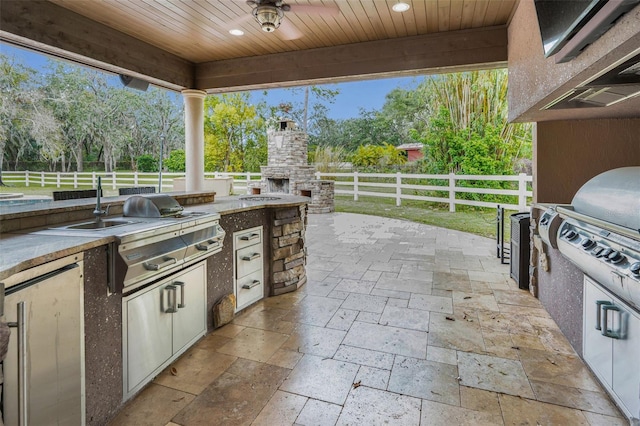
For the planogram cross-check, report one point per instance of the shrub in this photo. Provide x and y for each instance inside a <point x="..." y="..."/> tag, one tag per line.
<point x="176" y="161"/>
<point x="146" y="163"/>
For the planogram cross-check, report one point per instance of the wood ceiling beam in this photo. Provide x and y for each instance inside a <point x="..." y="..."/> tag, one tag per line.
<point x="428" y="54"/>
<point x="54" y="30"/>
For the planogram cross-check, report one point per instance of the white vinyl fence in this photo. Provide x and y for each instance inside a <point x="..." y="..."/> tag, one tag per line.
<point x="399" y="186"/>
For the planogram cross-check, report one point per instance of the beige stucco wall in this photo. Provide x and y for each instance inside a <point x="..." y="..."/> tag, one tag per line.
<point x="568" y="153"/>
<point x="534" y="80"/>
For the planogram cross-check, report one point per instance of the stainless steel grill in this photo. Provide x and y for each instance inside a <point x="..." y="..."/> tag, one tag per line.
<point x="600" y="232"/>
<point x="183" y="238"/>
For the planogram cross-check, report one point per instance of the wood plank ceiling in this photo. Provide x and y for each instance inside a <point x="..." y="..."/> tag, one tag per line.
<point x="198" y="30"/>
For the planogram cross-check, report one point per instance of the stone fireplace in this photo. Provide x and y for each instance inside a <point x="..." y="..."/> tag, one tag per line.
<point x="287" y="171"/>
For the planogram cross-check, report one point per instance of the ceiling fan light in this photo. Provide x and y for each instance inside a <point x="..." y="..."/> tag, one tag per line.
<point x="268" y="17"/>
<point x="400" y="7"/>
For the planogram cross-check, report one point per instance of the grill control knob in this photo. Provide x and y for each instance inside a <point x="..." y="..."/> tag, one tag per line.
<point x="635" y="269"/>
<point x="615" y="257"/>
<point x="570" y="235"/>
<point x="588" y="244"/>
<point x="606" y="252"/>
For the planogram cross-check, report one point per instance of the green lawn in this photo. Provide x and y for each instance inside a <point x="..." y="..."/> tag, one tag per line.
<point x="480" y="222"/>
<point x="476" y="221"/>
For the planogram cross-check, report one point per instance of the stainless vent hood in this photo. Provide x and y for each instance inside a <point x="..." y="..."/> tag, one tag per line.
<point x="615" y="84"/>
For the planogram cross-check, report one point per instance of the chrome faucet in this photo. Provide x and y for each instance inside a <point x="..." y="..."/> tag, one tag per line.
<point x="98" y="212"/>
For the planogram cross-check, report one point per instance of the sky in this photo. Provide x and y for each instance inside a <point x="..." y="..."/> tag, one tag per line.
<point x="354" y="96"/>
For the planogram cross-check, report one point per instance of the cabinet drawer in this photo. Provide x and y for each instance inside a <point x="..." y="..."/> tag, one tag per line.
<point x="249" y="289"/>
<point x="248" y="237"/>
<point x="248" y="260"/>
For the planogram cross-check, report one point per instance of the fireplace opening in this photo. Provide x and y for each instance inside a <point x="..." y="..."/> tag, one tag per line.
<point x="305" y="193"/>
<point x="278" y="185"/>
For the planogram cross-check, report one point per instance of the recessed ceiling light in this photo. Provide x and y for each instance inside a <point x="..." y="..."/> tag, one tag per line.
<point x="400" y="7"/>
<point x="236" y="32"/>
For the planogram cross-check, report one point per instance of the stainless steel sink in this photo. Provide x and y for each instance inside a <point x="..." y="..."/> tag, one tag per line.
<point x="105" y="223"/>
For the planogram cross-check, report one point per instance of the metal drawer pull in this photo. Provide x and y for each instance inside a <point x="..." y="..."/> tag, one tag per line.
<point x="182" y="303"/>
<point x="171" y="302"/>
<point x="209" y="244"/>
<point x="21" y="325"/>
<point x="599" y="304"/>
<point x="168" y="261"/>
<point x="252" y="285"/>
<point x="605" y="331"/>
<point x="251" y="256"/>
<point x="250" y="237"/>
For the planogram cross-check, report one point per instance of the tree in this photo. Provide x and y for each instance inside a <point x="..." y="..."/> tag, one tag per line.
<point x="231" y="125"/>
<point x="176" y="161"/>
<point x="468" y="130"/>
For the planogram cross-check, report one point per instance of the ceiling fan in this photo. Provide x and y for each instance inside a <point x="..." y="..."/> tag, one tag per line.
<point x="270" y="13"/>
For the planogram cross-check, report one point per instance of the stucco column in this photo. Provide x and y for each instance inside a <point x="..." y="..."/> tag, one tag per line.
<point x="194" y="138"/>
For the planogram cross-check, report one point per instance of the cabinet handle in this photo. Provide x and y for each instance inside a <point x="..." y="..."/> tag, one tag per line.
<point x="171" y="299"/>
<point x="250" y="237"/>
<point x="182" y="303"/>
<point x="599" y="304"/>
<point x="167" y="261"/>
<point x="605" y="331"/>
<point x="251" y="256"/>
<point x="215" y="242"/>
<point x="21" y="325"/>
<point x="252" y="285"/>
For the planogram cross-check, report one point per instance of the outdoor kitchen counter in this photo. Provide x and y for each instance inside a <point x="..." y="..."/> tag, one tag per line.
<point x="25" y="242"/>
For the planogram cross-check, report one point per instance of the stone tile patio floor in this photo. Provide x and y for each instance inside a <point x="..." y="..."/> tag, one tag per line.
<point x="399" y="323"/>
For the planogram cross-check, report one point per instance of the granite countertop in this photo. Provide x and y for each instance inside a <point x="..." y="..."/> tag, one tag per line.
<point x="27" y="248"/>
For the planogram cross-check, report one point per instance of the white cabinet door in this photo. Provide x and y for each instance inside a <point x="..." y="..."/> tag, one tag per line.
<point x="189" y="321"/>
<point x="597" y="348"/>
<point x="148" y="333"/>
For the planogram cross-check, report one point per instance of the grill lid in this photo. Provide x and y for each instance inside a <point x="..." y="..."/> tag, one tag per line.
<point x="152" y="205"/>
<point x="612" y="196"/>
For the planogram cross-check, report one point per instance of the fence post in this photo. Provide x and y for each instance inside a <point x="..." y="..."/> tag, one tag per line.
<point x="26" y="178"/>
<point x="317" y="175"/>
<point x="522" y="192"/>
<point x="93" y="179"/>
<point x="42" y="179"/>
<point x="113" y="180"/>
<point x="452" y="192"/>
<point x="75" y="179"/>
<point x="398" y="189"/>
<point x="355" y="186"/>
<point x="248" y="189"/>
<point x="135" y="178"/>
<point x="57" y="179"/>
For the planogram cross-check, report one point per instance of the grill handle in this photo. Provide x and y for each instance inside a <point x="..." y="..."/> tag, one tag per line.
<point x="251" y="285"/>
<point x="605" y="331"/>
<point x="250" y="237"/>
<point x="21" y="325"/>
<point x="214" y="242"/>
<point x="251" y="256"/>
<point x="167" y="261"/>
<point x="599" y="304"/>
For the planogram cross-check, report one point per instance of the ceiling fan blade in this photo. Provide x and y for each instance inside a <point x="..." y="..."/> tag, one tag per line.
<point x="288" y="31"/>
<point x="315" y="9"/>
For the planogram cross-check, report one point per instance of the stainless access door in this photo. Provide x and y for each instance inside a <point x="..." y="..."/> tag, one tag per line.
<point x="50" y="360"/>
